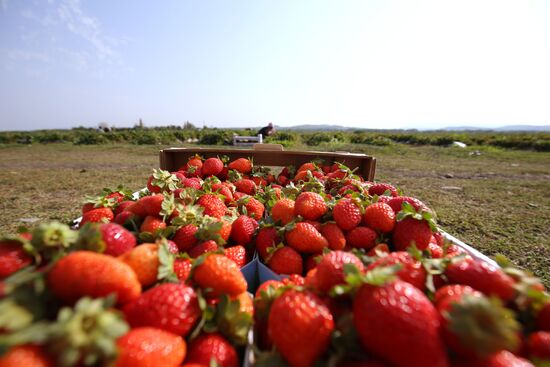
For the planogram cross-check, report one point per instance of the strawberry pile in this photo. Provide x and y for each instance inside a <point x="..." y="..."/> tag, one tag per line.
<point x="361" y="277"/>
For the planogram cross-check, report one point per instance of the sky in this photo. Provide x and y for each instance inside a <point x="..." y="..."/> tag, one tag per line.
<point x="365" y="63"/>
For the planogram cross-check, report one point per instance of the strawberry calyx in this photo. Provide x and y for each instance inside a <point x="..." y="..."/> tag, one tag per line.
<point x="408" y="211"/>
<point x="230" y="321"/>
<point x="50" y="240"/>
<point x="165" y="180"/>
<point x="355" y="278"/>
<point x="165" y="272"/>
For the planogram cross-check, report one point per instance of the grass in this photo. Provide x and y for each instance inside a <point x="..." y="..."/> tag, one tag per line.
<point x="497" y="201"/>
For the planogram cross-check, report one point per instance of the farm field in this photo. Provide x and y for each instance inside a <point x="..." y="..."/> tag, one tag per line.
<point x="494" y="199"/>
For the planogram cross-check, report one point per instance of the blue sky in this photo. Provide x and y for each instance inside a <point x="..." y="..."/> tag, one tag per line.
<point x="373" y="64"/>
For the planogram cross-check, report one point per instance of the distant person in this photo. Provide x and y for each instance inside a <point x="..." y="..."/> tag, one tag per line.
<point x="267" y="130"/>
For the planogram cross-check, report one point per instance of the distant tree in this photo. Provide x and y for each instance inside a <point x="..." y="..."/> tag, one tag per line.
<point x="188" y="126"/>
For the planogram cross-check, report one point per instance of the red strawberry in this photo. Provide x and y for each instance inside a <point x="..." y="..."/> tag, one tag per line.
<point x="330" y="270"/>
<point x="254" y="208"/>
<point x="435" y="250"/>
<point x="117" y="239"/>
<point x="346" y="214"/>
<point x="12" y="257"/>
<point x="334" y="235"/>
<point x="84" y="273"/>
<point x="223" y="190"/>
<point x="411" y="272"/>
<point x="483" y="277"/>
<point x="286" y="260"/>
<point x="152" y="224"/>
<point x="237" y="254"/>
<point x="122" y="206"/>
<point x="169" y="306"/>
<point x="147" y="205"/>
<point x="203" y="248"/>
<point x="398" y="323"/>
<point x="543" y="317"/>
<point x="26" y="356"/>
<point x="182" y="268"/>
<point x="283" y="211"/>
<point x="147" y="346"/>
<point x="361" y="237"/>
<point x="396" y="203"/>
<point x="241" y="165"/>
<point x="295" y="317"/>
<point x="245" y="186"/>
<point x="411" y="231"/>
<point x="538" y="345"/>
<point x="380" y="217"/>
<point x="380" y="248"/>
<point x="221" y="275"/>
<point x="267" y="237"/>
<point x="127" y="219"/>
<point x="502" y="358"/>
<point x="305" y="238"/>
<point x="192" y="182"/>
<point x="310" y="205"/>
<point x="381" y="189"/>
<point x="242" y="230"/>
<point x="185" y="237"/>
<point x="452" y="290"/>
<point x="212" y="167"/>
<point x="212" y="346"/>
<point x="213" y="205"/>
<point x="97" y="216"/>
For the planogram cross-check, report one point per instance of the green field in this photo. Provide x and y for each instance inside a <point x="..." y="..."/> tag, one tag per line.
<point x="497" y="201"/>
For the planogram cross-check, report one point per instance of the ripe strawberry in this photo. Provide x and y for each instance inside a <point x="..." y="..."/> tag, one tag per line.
<point x="185" y="237"/>
<point x="411" y="271"/>
<point x="182" y="268"/>
<point x="334" y="235"/>
<point x="203" y="248"/>
<point x="97" y="215"/>
<point x="411" y="231"/>
<point x="346" y="214"/>
<point x="396" y="203"/>
<point x="308" y="166"/>
<point x="169" y="306"/>
<point x="297" y="316"/>
<point x="144" y="260"/>
<point x="502" y="358"/>
<point x="213" y="205"/>
<point x="330" y="270"/>
<point x="283" y="211"/>
<point x="381" y="188"/>
<point x="242" y="230"/>
<point x="84" y="273"/>
<point x="224" y="190"/>
<point x="305" y="238"/>
<point x="397" y="322"/>
<point x="12" y="257"/>
<point x="128" y="220"/>
<point x="212" y="346"/>
<point x="245" y="186"/>
<point x="452" y="290"/>
<point x="147" y="205"/>
<point x="152" y="224"/>
<point x="543" y="317"/>
<point x="267" y="237"/>
<point x="294" y="279"/>
<point x="538" y="345"/>
<point x="482" y="277"/>
<point x="254" y="208"/>
<point x="122" y="206"/>
<point x="147" y="346"/>
<point x="26" y="356"/>
<point x="246" y="304"/>
<point x="259" y="181"/>
<point x="212" y="167"/>
<point x="221" y="275"/>
<point x="241" y="165"/>
<point x="116" y="238"/>
<point x="380" y="217"/>
<point x="310" y="205"/>
<point x="380" y="248"/>
<point x="361" y="237"/>
<point x="285" y="260"/>
<point x="435" y="250"/>
<point x="237" y="254"/>
<point x="192" y="182"/>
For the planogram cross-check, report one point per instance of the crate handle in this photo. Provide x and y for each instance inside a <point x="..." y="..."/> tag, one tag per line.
<point x="272" y="147"/>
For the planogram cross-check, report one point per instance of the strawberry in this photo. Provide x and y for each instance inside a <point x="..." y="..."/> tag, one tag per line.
<point x="203" y="248"/>
<point x="144" y="260"/>
<point x="452" y="290"/>
<point x="185" y="237"/>
<point x="396" y="203"/>
<point x="305" y="238"/>
<point x="147" y="205"/>
<point x="147" y="346"/>
<point x="266" y="238"/>
<point x="169" y="306"/>
<point x="213" y="205"/>
<point x="242" y="230"/>
<point x="538" y="345"/>
<point x="310" y="205"/>
<point x="380" y="217"/>
<point x="398" y="323"/>
<point x="241" y="165"/>
<point x="84" y="273"/>
<point x="297" y="316"/>
<point x="411" y="231"/>
<point x="411" y="270"/>
<point x="221" y="275"/>
<point x="346" y="214"/>
<point x="382" y="189"/>
<point x="246" y="186"/>
<point x="12" y="257"/>
<point x="26" y="356"/>
<point x="502" y="358"/>
<point x="112" y="237"/>
<point x="98" y="215"/>
<point x="330" y="270"/>
<point x="152" y="224"/>
<point x="223" y="190"/>
<point x="435" y="250"/>
<point x="312" y="261"/>
<point x="122" y="207"/>
<point x="361" y="237"/>
<point x="254" y="208"/>
<point x="543" y="317"/>
<point x="182" y="268"/>
<point x="286" y="260"/>
<point x="193" y="163"/>
<point x="237" y="254"/>
<point x="283" y="211"/>
<point x="212" y="347"/>
<point x="334" y="235"/>
<point x="308" y="166"/>
<point x="483" y="277"/>
<point x="128" y="220"/>
<point x="380" y="248"/>
<point x="212" y="167"/>
<point x="192" y="182"/>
